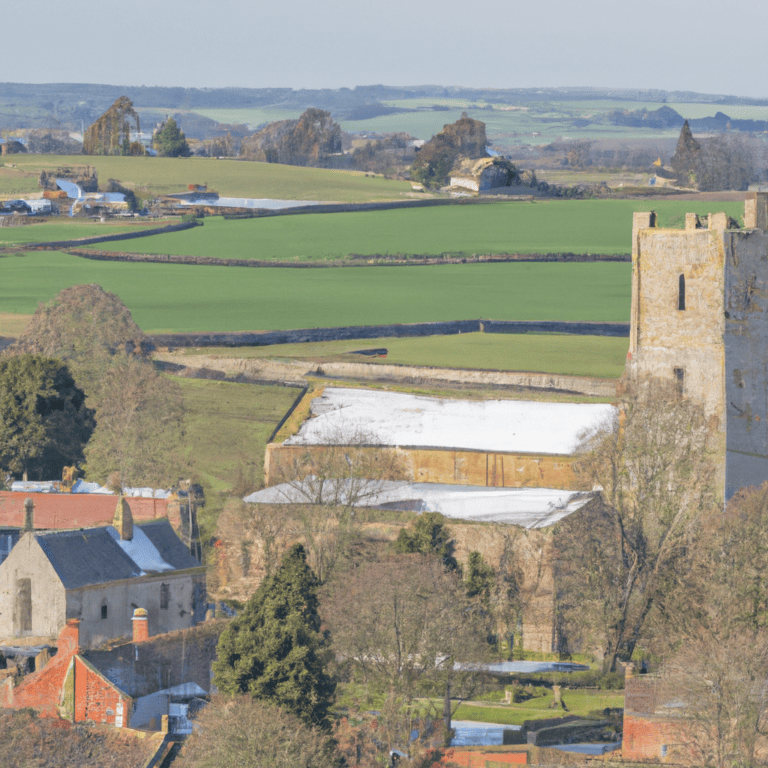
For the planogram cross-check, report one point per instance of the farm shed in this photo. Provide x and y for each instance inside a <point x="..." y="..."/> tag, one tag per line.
<point x="500" y="443"/>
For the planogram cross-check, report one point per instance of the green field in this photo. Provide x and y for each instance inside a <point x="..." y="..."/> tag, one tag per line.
<point x="64" y="228"/>
<point x="152" y="176"/>
<point x="226" y="427"/>
<point x="168" y="297"/>
<point x="601" y="356"/>
<point x="577" y="226"/>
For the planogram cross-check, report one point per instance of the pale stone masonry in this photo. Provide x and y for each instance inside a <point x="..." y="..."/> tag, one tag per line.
<point x="700" y="319"/>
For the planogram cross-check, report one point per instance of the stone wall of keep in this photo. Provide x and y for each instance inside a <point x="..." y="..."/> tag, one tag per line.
<point x="450" y="465"/>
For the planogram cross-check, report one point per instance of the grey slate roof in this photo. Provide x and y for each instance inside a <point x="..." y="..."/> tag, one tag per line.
<point x="93" y="556"/>
<point x="169" y="545"/>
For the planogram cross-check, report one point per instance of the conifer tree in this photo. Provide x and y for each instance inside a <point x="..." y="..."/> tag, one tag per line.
<point x="274" y="650"/>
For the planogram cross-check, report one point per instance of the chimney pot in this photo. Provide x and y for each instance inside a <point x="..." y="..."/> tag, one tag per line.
<point x="29" y="515"/>
<point x="123" y="520"/>
<point x="140" y="625"/>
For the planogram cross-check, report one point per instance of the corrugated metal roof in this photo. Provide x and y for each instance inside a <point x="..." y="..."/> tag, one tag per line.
<point x="526" y="507"/>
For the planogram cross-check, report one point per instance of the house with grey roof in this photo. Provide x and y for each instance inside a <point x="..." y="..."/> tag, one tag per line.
<point x="100" y="576"/>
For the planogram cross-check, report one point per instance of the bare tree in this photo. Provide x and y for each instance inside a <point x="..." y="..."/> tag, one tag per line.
<point x="245" y="733"/>
<point x="403" y="625"/>
<point x="326" y="484"/>
<point x="718" y="662"/>
<point x="658" y="482"/>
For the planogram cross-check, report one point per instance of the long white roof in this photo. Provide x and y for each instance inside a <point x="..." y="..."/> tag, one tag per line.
<point x="526" y="507"/>
<point x="393" y="418"/>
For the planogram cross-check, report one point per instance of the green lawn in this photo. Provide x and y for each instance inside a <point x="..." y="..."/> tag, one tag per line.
<point x="151" y="176"/>
<point x="179" y="298"/>
<point x="577" y="226"/>
<point x="579" y="702"/>
<point x="601" y="356"/>
<point x="226" y="427"/>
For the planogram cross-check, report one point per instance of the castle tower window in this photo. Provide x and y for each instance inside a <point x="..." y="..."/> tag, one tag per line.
<point x="681" y="292"/>
<point x="679" y="380"/>
<point x="104" y="611"/>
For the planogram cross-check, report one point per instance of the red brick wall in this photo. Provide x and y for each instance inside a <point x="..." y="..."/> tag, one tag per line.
<point x="95" y="698"/>
<point x="42" y="690"/>
<point x="643" y="738"/>
<point x="478" y="758"/>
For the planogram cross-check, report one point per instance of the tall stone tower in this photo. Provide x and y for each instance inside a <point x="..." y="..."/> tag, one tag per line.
<point x="700" y="319"/>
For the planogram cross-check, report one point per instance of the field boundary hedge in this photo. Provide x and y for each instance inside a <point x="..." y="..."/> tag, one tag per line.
<point x="302" y="335"/>
<point x="354" y="259"/>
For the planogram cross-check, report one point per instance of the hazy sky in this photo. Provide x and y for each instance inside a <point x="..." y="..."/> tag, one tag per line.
<point x="706" y="46"/>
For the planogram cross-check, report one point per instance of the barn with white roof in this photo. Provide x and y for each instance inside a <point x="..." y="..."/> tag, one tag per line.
<point x="497" y="443"/>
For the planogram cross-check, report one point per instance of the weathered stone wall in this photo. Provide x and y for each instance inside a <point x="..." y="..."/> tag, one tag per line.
<point x="285" y="371"/>
<point x="746" y="358"/>
<point x="699" y="317"/>
<point x="665" y="337"/>
<point x="452" y="466"/>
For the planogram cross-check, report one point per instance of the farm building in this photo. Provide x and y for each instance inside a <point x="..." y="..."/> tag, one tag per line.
<point x="100" y="575"/>
<point x="500" y="443"/>
<point x="700" y="319"/>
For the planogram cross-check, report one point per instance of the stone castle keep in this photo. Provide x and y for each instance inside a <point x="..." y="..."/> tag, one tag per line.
<point x="700" y="319"/>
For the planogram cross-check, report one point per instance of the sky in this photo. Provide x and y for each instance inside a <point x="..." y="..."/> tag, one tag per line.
<point x="705" y="46"/>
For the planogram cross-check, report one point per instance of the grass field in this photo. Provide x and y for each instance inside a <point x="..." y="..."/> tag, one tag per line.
<point x="151" y="176"/>
<point x="578" y="226"/>
<point x="601" y="356"/>
<point x="64" y="228"/>
<point x="226" y="427"/>
<point x="168" y="297"/>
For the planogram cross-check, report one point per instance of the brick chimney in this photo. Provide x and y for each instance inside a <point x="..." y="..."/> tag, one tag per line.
<point x="123" y="520"/>
<point x="29" y="515"/>
<point x="140" y="625"/>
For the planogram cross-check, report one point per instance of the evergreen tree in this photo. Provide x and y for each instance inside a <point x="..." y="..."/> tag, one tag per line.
<point x="274" y="650"/>
<point x="44" y="423"/>
<point x="169" y="140"/>
<point x="428" y="537"/>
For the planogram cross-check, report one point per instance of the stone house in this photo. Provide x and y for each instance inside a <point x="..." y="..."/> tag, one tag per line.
<point x="100" y="576"/>
<point x="700" y="319"/>
<point x="135" y="684"/>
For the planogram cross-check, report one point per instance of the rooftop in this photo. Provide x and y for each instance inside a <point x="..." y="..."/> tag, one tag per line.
<point x="393" y="418"/>
<point x="526" y="507"/>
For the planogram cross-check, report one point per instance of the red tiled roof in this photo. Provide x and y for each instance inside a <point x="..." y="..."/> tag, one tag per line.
<point x="54" y="511"/>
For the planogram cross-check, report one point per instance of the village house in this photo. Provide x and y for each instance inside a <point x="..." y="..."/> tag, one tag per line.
<point x="52" y="511"/>
<point x="100" y="576"/>
<point x="136" y="684"/>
